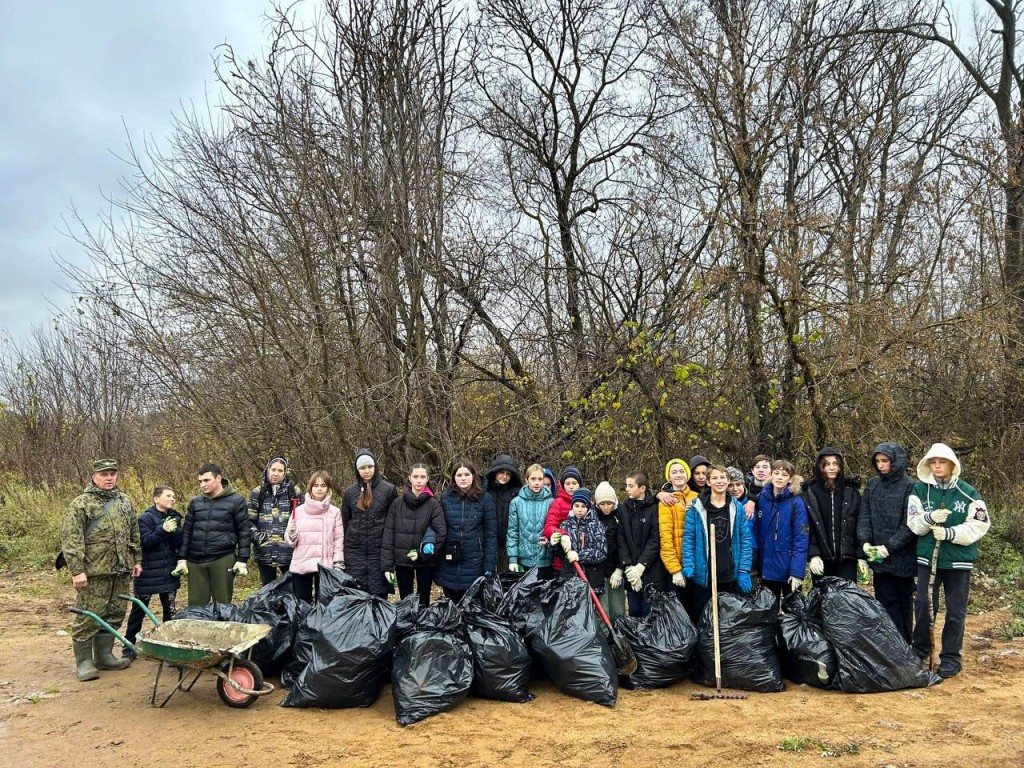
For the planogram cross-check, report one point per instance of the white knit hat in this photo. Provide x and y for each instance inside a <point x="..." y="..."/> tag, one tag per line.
<point x="605" y="492"/>
<point x="937" y="451"/>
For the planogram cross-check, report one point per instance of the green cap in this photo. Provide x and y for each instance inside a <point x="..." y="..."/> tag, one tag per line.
<point x="101" y="465"/>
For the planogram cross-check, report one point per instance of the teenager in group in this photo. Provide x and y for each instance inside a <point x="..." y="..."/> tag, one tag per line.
<point x="948" y="513"/>
<point x="503" y="484"/>
<point x="317" y="537"/>
<point x="471" y="549"/>
<point x="160" y="533"/>
<point x="404" y="555"/>
<point x="760" y="475"/>
<point x="885" y="538"/>
<point x="781" y="531"/>
<point x="698" y="474"/>
<point x="526" y="545"/>
<point x="364" y="508"/>
<point x="832" y="499"/>
<point x="270" y="508"/>
<point x="733" y="537"/>
<point x="569" y="482"/>
<point x="549" y="481"/>
<point x="613" y="600"/>
<point x="583" y="540"/>
<point x="738" y="490"/>
<point x="673" y="501"/>
<point x="639" y="542"/>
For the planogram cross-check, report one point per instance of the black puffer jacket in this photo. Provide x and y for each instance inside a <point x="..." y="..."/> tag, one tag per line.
<point x="883" y="515"/>
<point x="502" y="495"/>
<point x="159" y="553"/>
<point x="832" y="514"/>
<point x="640" y="539"/>
<point x="611" y="535"/>
<point x="408" y="519"/>
<point x="364" y="529"/>
<point x="215" y="526"/>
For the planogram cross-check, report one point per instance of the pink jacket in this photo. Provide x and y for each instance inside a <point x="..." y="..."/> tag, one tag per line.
<point x="319" y="536"/>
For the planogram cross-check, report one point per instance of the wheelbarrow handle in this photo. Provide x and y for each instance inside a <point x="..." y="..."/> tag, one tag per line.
<point x="143" y="606"/>
<point x="127" y="644"/>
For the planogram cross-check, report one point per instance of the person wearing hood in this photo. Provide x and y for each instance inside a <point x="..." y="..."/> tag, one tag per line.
<point x="364" y="510"/>
<point x="214" y="539"/>
<point x="699" y="466"/>
<point x="317" y="536"/>
<point x="674" y="499"/>
<point x="832" y="499"/>
<point x="759" y="476"/>
<point x="502" y="483"/>
<point x="101" y="547"/>
<point x="549" y="481"/>
<point x="883" y="535"/>
<point x="949" y="517"/>
<point x="570" y="481"/>
<point x="471" y="550"/>
<point x="781" y="531"/>
<point x="639" y="543"/>
<point x="271" y="505"/>
<point x="527" y="546"/>
<point x="408" y="555"/>
<point x="583" y="541"/>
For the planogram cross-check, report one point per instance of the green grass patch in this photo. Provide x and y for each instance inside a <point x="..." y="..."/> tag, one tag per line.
<point x="823" y="748"/>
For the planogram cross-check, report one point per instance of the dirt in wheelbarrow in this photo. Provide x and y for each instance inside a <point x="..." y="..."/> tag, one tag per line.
<point x="48" y="718"/>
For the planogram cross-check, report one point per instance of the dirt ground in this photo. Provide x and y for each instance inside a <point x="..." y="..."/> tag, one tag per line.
<point x="48" y="718"/>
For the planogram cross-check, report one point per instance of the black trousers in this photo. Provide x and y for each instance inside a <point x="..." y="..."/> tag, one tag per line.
<point x="270" y="572"/>
<point x="956" y="586"/>
<point x="136" y="617"/>
<point x="896" y="594"/>
<point x="304" y="585"/>
<point x="455" y="595"/>
<point x="780" y="589"/>
<point x="424" y="577"/>
<point x="843" y="569"/>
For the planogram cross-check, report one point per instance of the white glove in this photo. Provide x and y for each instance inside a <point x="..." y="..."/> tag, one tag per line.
<point x="938" y="515"/>
<point x="292" y="531"/>
<point x="170" y="525"/>
<point x="817" y="566"/>
<point x="514" y="568"/>
<point x="941" y="533"/>
<point x="881" y="552"/>
<point x="636" y="585"/>
<point x="678" y="579"/>
<point x="555" y="538"/>
<point x="796" y="584"/>
<point x="389" y="576"/>
<point x="566" y="543"/>
<point x="240" y="568"/>
<point x="180" y="569"/>
<point x="862" y="570"/>
<point x="339" y="566"/>
<point x="615" y="580"/>
<point x="572" y="556"/>
<point x="413" y="555"/>
<point x="867" y="549"/>
<point x="635" y="572"/>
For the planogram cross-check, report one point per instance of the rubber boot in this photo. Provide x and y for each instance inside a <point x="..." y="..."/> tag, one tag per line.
<point x="103" y="645"/>
<point x="83" y="660"/>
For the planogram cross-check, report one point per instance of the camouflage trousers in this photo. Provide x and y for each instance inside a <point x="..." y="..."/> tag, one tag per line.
<point x="101" y="597"/>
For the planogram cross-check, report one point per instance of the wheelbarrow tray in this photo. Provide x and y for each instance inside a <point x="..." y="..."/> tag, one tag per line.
<point x="199" y="644"/>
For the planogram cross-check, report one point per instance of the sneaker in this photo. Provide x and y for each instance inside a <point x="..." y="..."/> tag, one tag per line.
<point x="948" y="670"/>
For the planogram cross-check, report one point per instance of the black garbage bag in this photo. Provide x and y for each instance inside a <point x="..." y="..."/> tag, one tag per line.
<point x="873" y="656"/>
<point x="572" y="646"/>
<point x="523" y="604"/>
<point x="332" y="582"/>
<point x="484" y="594"/>
<point x="433" y="666"/>
<point x="806" y="654"/>
<point x="211" y="612"/>
<point x="408" y="609"/>
<point x="747" y="625"/>
<point x="278" y="607"/>
<point x="662" y="641"/>
<point x="350" y="655"/>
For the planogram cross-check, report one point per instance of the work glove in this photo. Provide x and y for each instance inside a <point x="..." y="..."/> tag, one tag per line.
<point x="817" y="566"/>
<point x="796" y="584"/>
<point x="389" y="576"/>
<point x="881" y="553"/>
<point x="744" y="582"/>
<point x="514" y="568"/>
<point x="868" y="549"/>
<point x="862" y="571"/>
<point x="566" y="543"/>
<point x="261" y="538"/>
<point x="240" y="568"/>
<point x="181" y="569"/>
<point x="292" y="531"/>
<point x="339" y="566"/>
<point x="555" y="537"/>
<point x="615" y="580"/>
<point x="678" y="579"/>
<point x="572" y="556"/>
<point x="428" y="548"/>
<point x="170" y="525"/>
<point x="413" y="555"/>
<point x="636" y="585"/>
<point x="938" y="516"/>
<point x="941" y="533"/>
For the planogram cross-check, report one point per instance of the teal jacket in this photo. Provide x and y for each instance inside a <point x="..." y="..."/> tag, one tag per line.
<point x="526" y="515"/>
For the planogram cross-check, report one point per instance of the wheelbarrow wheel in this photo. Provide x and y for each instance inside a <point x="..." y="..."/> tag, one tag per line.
<point x="247" y="675"/>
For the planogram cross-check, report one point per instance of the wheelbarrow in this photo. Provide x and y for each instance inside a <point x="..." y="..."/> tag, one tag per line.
<point x="191" y="647"/>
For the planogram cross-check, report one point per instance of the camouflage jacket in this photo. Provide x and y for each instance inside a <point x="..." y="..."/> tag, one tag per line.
<point x="113" y="545"/>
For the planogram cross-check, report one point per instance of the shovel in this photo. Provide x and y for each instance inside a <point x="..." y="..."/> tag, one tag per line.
<point x="625" y="661"/>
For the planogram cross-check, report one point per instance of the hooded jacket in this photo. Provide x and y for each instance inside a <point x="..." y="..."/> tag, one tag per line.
<point x="639" y="539"/>
<point x="471" y="523"/>
<point x="364" y="529"/>
<point x="409" y="518"/>
<point x="587" y="536"/>
<point x="968" y="520"/>
<point x="319" y="538"/>
<point x="527" y="515"/>
<point x="696" y="461"/>
<point x="216" y="526"/>
<point x="672" y="519"/>
<point x="781" y="532"/>
<point x="696" y="543"/>
<point x="502" y="495"/>
<point x="832" y="514"/>
<point x="883" y="514"/>
<point x="159" y="552"/>
<point x="270" y="513"/>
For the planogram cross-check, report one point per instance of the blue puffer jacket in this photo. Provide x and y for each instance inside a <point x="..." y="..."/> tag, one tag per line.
<point x="695" y="540"/>
<point x="526" y="515"/>
<point x="473" y="525"/>
<point x="159" y="553"/>
<point x="782" y="533"/>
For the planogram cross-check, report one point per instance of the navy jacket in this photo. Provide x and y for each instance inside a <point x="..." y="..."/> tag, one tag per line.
<point x="474" y="526"/>
<point x="159" y="553"/>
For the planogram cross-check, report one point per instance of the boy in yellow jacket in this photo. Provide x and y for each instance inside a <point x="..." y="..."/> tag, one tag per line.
<point x="673" y="501"/>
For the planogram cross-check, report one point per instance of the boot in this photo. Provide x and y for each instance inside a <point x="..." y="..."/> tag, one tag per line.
<point x="103" y="645"/>
<point x="83" y="660"/>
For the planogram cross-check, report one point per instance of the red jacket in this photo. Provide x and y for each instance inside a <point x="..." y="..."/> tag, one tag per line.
<point x="557" y="514"/>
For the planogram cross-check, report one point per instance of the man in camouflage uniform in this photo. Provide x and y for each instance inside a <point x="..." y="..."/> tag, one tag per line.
<point x="100" y="541"/>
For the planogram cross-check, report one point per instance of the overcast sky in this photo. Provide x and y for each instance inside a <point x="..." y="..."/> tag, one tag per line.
<point x="74" y="75"/>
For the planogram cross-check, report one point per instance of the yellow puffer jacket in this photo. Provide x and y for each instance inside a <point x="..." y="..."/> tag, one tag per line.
<point x="671" y="520"/>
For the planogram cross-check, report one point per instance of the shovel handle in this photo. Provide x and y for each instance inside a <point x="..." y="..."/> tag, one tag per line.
<point x="593" y="597"/>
